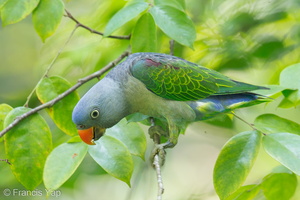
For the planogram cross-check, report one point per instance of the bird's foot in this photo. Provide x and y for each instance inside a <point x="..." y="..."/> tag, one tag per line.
<point x="157" y="131"/>
<point x="159" y="150"/>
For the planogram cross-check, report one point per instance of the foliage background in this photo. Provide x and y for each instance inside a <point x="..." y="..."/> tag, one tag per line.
<point x="248" y="40"/>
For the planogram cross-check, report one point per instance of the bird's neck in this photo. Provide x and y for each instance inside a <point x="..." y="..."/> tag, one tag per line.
<point x="115" y="101"/>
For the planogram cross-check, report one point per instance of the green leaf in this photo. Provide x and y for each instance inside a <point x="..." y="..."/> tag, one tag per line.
<point x="2" y="3"/>
<point x="285" y="148"/>
<point x="289" y="78"/>
<point x="178" y="4"/>
<point x="15" y="10"/>
<point x="174" y="23"/>
<point x="62" y="163"/>
<point x="61" y="113"/>
<point x="274" y="16"/>
<point x="281" y="184"/>
<point x="114" y="157"/>
<point x="143" y="38"/>
<point x="268" y="48"/>
<point x="235" y="162"/>
<point x="270" y="123"/>
<point x="131" y="135"/>
<point x="130" y="11"/>
<point x="27" y="146"/>
<point x="75" y="139"/>
<point x="4" y="110"/>
<point x="240" y="22"/>
<point x="290" y="98"/>
<point x="247" y="192"/>
<point x="47" y="16"/>
<point x="235" y="63"/>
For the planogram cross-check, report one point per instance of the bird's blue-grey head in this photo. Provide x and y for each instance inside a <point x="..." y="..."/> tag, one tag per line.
<point x="101" y="107"/>
<point x="104" y="104"/>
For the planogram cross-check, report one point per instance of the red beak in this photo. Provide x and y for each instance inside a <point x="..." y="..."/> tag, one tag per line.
<point x="87" y="136"/>
<point x="90" y="135"/>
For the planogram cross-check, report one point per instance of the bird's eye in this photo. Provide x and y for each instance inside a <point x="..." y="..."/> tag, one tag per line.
<point x="95" y="114"/>
<point x="80" y="126"/>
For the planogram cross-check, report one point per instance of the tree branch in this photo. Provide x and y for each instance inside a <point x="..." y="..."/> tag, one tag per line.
<point x="69" y="15"/>
<point x="157" y="164"/>
<point x="159" y="177"/>
<point x="64" y="94"/>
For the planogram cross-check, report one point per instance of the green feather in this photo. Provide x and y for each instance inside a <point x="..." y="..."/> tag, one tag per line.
<point x="238" y="88"/>
<point x="180" y="80"/>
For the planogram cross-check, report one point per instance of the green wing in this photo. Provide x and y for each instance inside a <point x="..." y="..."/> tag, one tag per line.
<point x="176" y="79"/>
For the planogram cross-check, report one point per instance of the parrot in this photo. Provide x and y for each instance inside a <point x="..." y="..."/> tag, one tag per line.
<point x="163" y="87"/>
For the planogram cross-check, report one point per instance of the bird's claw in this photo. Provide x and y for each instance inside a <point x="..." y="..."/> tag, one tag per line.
<point x="155" y="133"/>
<point x="159" y="150"/>
<point x="157" y="130"/>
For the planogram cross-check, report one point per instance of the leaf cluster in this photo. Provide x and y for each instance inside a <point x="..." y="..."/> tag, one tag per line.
<point x="218" y="34"/>
<point x="278" y="136"/>
<point x="28" y="145"/>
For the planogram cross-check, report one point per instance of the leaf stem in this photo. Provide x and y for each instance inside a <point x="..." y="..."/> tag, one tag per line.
<point x="249" y="124"/>
<point x="69" y="15"/>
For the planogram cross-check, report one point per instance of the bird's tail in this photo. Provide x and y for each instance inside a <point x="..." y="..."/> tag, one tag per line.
<point x="213" y="105"/>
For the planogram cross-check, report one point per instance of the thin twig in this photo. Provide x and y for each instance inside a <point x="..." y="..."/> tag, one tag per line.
<point x="122" y="37"/>
<point x="50" y="66"/>
<point x="159" y="177"/>
<point x="172" y="43"/>
<point x="249" y="124"/>
<point x="5" y="160"/>
<point x="156" y="164"/>
<point x="64" y="94"/>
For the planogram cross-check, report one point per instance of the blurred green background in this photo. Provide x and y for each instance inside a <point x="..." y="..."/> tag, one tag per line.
<point x="248" y="40"/>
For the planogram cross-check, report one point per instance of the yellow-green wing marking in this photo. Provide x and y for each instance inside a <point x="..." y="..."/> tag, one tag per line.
<point x="178" y="79"/>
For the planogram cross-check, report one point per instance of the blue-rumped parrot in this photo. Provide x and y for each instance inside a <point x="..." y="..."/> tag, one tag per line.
<point x="161" y="86"/>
